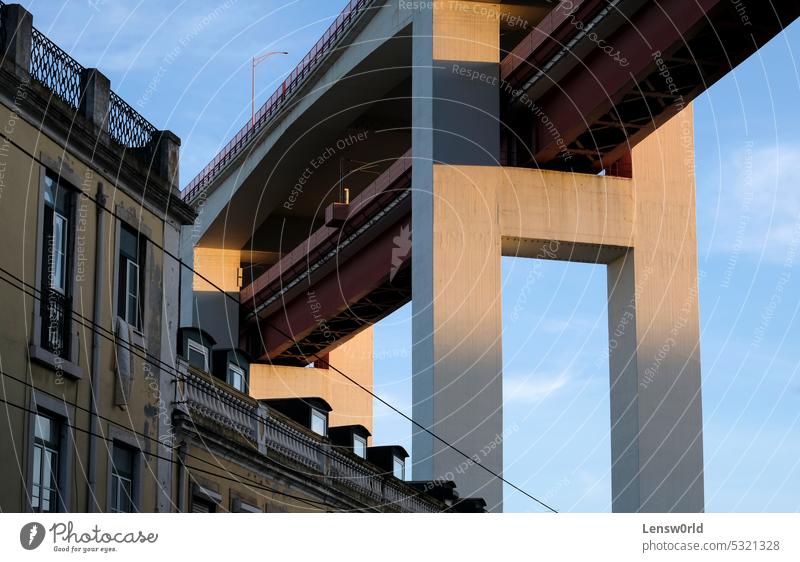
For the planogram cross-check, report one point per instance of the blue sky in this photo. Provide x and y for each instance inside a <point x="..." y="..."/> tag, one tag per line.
<point x="555" y="371"/>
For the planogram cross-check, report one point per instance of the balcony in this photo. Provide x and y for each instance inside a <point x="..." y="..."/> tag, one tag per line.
<point x="210" y="404"/>
<point x="56" y="322"/>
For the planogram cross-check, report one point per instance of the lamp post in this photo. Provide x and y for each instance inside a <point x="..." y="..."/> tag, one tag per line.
<point x="256" y="61"/>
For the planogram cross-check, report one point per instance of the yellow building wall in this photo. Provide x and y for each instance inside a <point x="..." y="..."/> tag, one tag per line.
<point x="20" y="189"/>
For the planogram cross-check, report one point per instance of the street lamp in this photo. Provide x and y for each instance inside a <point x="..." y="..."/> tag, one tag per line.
<point x="256" y="61"/>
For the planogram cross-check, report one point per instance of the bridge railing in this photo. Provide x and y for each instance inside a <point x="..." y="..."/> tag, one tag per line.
<point x="319" y="51"/>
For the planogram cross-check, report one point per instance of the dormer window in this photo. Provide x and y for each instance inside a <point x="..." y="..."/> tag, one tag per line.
<point x="360" y="446"/>
<point x="399" y="468"/>
<point x="197" y="355"/>
<point x="236" y="377"/>
<point x="319" y="422"/>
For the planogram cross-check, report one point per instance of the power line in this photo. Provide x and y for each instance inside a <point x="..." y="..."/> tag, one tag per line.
<point x="139" y="434"/>
<point x="173" y="461"/>
<point x="313" y="353"/>
<point x="172" y="371"/>
<point x="178" y="376"/>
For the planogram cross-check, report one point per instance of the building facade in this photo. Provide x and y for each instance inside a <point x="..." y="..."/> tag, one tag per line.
<point x="89" y="217"/>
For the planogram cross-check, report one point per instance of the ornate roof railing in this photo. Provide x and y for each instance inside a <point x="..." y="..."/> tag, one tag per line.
<point x="55" y="69"/>
<point x="126" y="125"/>
<point x="341" y="25"/>
<point x="201" y="397"/>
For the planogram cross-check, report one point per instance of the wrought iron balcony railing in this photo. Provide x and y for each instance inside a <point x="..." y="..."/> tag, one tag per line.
<point x="204" y="399"/>
<point x="56" y="315"/>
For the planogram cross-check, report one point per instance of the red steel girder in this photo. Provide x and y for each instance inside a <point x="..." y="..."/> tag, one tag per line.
<point x="328" y="298"/>
<point x="594" y="88"/>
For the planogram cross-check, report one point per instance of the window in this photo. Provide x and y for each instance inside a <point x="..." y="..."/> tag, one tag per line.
<point x="46" y="464"/>
<point x="240" y="506"/>
<point x="197" y="355"/>
<point x="236" y="377"/>
<point x="57" y="243"/>
<point x="399" y="466"/>
<point x="319" y="422"/>
<point x="122" y="479"/>
<point x="200" y="505"/>
<point x="360" y="446"/>
<point x="131" y="260"/>
<point x="204" y="500"/>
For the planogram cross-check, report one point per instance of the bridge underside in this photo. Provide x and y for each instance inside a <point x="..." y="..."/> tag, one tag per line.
<point x="601" y="104"/>
<point x="463" y="138"/>
<point x="647" y="63"/>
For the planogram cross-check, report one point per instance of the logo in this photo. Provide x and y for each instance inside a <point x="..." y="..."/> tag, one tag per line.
<point x="31" y="535"/>
<point x="401" y="250"/>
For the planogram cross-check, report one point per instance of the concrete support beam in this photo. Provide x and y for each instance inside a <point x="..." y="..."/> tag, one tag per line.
<point x="644" y="229"/>
<point x="213" y="310"/>
<point x="456" y="355"/>
<point x="545" y="205"/>
<point x="656" y="414"/>
<point x="466" y="31"/>
<point x="351" y="405"/>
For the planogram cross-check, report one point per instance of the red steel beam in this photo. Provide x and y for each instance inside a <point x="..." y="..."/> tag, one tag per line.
<point x="384" y="188"/>
<point x="594" y="87"/>
<point x="353" y="280"/>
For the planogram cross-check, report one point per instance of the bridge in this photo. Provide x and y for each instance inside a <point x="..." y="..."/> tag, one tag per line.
<point x="533" y="129"/>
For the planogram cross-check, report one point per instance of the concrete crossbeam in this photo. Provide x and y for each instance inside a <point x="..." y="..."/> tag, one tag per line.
<point x="644" y="229"/>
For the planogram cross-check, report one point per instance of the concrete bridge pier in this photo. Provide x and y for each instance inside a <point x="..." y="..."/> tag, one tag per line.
<point x="468" y="211"/>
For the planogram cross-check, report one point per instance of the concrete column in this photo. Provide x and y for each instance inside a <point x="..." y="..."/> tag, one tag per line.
<point x="214" y="311"/>
<point x="456" y="361"/>
<point x="165" y="464"/>
<point x="656" y="417"/>
<point x="167" y="160"/>
<point x="17" y="28"/>
<point x="95" y="91"/>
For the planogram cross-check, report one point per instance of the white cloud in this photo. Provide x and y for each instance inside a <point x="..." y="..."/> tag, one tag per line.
<point x="533" y="388"/>
<point x="758" y="206"/>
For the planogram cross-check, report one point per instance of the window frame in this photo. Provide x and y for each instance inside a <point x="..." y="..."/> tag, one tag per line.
<point x="398" y="461"/>
<point x="60" y="253"/>
<point x="234" y="368"/>
<point x="124" y="260"/>
<point x="50" y="207"/>
<point x="319" y="415"/>
<point x="203" y="495"/>
<point x="117" y="479"/>
<point x="55" y="446"/>
<point x="44" y="404"/>
<point x="136" y="296"/>
<point x="361" y="440"/>
<point x="192" y="345"/>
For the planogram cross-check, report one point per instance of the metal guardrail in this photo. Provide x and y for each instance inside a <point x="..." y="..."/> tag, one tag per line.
<point x="338" y="28"/>
<point x="198" y="394"/>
